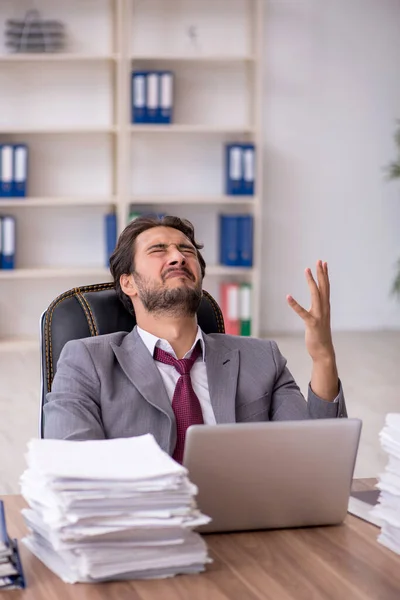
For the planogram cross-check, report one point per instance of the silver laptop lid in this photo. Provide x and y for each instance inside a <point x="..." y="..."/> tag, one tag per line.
<point x="274" y="474"/>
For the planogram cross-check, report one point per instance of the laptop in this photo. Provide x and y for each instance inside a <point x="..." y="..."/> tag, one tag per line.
<point x="272" y="475"/>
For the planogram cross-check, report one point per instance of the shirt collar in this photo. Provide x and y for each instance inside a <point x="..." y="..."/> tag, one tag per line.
<point x="151" y="341"/>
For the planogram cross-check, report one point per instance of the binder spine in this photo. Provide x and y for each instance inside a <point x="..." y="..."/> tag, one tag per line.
<point x="230" y="307"/>
<point x="1" y="266"/>
<point x="245" y="309"/>
<point x="20" y="170"/>
<point x="249" y="166"/>
<point x="228" y="240"/>
<point x="166" y="97"/>
<point x="8" y="242"/>
<point x="110" y="226"/>
<point x="6" y="179"/>
<point x="139" y="112"/>
<point x="245" y="240"/>
<point x="234" y="169"/>
<point x="153" y="96"/>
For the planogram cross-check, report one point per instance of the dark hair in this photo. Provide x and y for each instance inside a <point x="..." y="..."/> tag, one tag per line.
<point x="122" y="260"/>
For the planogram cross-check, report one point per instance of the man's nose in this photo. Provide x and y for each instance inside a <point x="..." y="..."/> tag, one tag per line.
<point x="175" y="256"/>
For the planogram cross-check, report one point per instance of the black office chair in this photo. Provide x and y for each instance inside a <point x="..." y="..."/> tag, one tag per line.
<point x="95" y="310"/>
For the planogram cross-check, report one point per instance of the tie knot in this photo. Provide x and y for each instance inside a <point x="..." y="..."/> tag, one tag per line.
<point x="182" y="365"/>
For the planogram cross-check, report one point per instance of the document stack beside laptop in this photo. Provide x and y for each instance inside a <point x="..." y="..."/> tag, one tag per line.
<point x="388" y="509"/>
<point x="11" y="575"/>
<point x="111" y="509"/>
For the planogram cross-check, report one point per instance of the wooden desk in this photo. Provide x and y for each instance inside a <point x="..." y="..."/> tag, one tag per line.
<point x="324" y="563"/>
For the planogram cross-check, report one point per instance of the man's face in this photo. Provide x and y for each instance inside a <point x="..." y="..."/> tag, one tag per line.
<point x="167" y="274"/>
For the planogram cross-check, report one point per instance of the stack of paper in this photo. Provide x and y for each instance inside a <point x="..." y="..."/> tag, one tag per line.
<point x="111" y="509"/>
<point x="388" y="509"/>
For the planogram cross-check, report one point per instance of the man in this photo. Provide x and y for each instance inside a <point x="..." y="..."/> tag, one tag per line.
<point x="166" y="374"/>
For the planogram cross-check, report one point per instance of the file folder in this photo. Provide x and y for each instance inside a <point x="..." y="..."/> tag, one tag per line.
<point x="233" y="169"/>
<point x="8" y="242"/>
<point x="245" y="240"/>
<point x="20" y="170"/>
<point x="139" y="112"/>
<point x="166" y="97"/>
<point x="249" y="167"/>
<point x="228" y="240"/>
<point x="6" y="170"/>
<point x="230" y="307"/>
<point x="245" y="309"/>
<point x="133" y="214"/>
<point x="110" y="221"/>
<point x="152" y="97"/>
<point x="1" y="245"/>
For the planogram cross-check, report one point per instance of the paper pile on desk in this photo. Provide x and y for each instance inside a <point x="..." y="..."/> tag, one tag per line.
<point x="388" y="509"/>
<point x="111" y="509"/>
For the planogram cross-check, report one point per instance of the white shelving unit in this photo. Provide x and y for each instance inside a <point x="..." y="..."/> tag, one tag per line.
<point x="43" y="202"/>
<point x="198" y="129"/>
<point x="87" y="158"/>
<point x="56" y="57"/>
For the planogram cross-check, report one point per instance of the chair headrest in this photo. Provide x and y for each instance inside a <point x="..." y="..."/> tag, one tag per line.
<point x="96" y="310"/>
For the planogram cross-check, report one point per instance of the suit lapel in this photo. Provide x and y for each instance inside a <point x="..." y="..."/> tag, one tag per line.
<point x="138" y="365"/>
<point x="222" y="365"/>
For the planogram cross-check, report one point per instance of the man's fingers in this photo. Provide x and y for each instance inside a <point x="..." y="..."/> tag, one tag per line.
<point x="314" y="292"/>
<point x="324" y="285"/>
<point x="302" y="312"/>
<point x="328" y="283"/>
<point x="323" y="281"/>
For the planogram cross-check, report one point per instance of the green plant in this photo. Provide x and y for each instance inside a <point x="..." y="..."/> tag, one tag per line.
<point x="393" y="168"/>
<point x="393" y="172"/>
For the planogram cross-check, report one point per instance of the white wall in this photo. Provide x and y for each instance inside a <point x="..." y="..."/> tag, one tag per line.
<point x="332" y="95"/>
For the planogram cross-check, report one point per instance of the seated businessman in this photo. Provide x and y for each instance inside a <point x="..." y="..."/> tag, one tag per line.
<point x="166" y="374"/>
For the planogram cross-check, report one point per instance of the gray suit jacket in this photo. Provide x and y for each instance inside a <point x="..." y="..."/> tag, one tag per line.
<point x="109" y="386"/>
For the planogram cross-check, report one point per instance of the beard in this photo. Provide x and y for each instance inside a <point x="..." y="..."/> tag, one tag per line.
<point x="179" y="301"/>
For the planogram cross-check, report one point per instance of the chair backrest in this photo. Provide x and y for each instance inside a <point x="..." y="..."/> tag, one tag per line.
<point x="95" y="310"/>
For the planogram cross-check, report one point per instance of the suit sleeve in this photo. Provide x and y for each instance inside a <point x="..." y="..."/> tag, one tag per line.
<point x="288" y="403"/>
<point x="72" y="410"/>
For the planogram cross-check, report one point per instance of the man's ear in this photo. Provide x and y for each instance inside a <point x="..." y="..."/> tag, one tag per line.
<point x="128" y="285"/>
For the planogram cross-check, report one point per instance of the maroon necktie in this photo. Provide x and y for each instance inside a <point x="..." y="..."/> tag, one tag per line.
<point x="185" y="403"/>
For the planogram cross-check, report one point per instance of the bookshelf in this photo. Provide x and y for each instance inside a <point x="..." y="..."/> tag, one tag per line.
<point x="87" y="158"/>
<point x="56" y="57"/>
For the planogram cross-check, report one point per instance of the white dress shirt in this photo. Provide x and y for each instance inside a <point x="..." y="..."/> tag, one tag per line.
<point x="170" y="376"/>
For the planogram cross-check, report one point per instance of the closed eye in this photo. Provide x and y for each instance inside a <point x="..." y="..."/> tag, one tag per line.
<point x="157" y="248"/>
<point x="163" y="247"/>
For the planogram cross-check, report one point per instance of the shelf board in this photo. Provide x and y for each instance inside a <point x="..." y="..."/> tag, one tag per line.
<point x="56" y="273"/>
<point x="102" y="274"/>
<point x="178" y="128"/>
<point x="29" y="202"/>
<point x="210" y="200"/>
<point x="56" y="130"/>
<point x="223" y="58"/>
<point x="222" y="270"/>
<point x="56" y="57"/>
